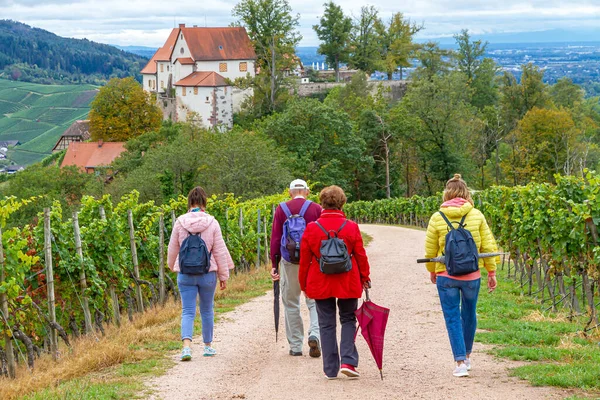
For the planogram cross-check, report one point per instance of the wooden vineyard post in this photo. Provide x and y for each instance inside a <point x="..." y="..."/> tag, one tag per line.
<point x="136" y="268"/>
<point x="258" y="239"/>
<point x="10" y="354"/>
<point x="241" y="223"/>
<point x="116" y="308"/>
<point x="82" y="278"/>
<point x="173" y="219"/>
<point x="267" y="249"/>
<point x="161" y="258"/>
<point x="50" y="283"/>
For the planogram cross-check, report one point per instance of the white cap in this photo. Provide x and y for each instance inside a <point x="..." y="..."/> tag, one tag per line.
<point x="298" y="184"/>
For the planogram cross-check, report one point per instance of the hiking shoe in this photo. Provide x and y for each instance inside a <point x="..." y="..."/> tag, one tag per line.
<point x="315" y="349"/>
<point x="295" y="353"/>
<point x="186" y="354"/>
<point x="209" y="351"/>
<point x="349" y="370"/>
<point x="330" y="378"/>
<point x="461" y="370"/>
<point x="468" y="364"/>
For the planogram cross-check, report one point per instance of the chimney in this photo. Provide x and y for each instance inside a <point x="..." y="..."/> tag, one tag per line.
<point x="100" y="143"/>
<point x="195" y="26"/>
<point x="181" y="25"/>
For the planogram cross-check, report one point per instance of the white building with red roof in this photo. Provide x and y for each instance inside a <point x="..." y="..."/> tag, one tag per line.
<point x="193" y="69"/>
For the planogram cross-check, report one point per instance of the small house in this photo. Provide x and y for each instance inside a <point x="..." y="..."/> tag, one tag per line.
<point x="91" y="156"/>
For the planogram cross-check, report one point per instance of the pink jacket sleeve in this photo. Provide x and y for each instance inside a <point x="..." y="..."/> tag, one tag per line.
<point x="221" y="254"/>
<point x="173" y="249"/>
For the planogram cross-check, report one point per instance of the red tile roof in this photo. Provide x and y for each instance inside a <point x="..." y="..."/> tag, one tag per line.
<point x="203" y="79"/>
<point x="206" y="44"/>
<point x="162" y="54"/>
<point x="185" y="61"/>
<point x="92" y="154"/>
<point x="213" y="44"/>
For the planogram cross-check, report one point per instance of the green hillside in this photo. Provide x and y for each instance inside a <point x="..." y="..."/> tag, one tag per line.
<point x="36" y="115"/>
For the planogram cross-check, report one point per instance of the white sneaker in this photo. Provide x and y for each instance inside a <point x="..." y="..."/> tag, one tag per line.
<point x="209" y="351"/>
<point x="461" y="370"/>
<point x="468" y="364"/>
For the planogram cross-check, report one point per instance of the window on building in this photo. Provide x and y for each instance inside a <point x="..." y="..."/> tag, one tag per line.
<point x="225" y="89"/>
<point x="183" y="91"/>
<point x="207" y="99"/>
<point x="162" y="68"/>
<point x="167" y="68"/>
<point x="196" y="90"/>
<point x="162" y="84"/>
<point x="181" y="36"/>
<point x="244" y="67"/>
<point x="222" y="67"/>
<point x="182" y="50"/>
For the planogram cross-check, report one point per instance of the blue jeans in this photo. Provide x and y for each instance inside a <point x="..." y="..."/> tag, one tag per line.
<point x="459" y="303"/>
<point x="190" y="286"/>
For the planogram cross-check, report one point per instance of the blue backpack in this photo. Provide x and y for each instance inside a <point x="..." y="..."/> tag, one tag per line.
<point x="460" y="252"/>
<point x="293" y="229"/>
<point x="194" y="257"/>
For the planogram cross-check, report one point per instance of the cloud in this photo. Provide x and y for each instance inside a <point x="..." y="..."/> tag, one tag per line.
<point x="147" y="22"/>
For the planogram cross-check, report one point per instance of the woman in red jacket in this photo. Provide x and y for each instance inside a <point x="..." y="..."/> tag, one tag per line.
<point x="345" y="288"/>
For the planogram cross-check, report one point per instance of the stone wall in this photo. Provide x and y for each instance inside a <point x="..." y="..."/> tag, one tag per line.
<point x="396" y="88"/>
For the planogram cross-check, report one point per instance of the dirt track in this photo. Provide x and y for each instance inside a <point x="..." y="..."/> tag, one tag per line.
<point x="417" y="361"/>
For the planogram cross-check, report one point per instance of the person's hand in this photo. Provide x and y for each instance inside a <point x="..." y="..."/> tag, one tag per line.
<point x="223" y="285"/>
<point x="367" y="285"/>
<point x="492" y="283"/>
<point x="433" y="277"/>
<point x="274" y="274"/>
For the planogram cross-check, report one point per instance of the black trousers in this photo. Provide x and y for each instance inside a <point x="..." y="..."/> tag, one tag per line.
<point x="326" y="309"/>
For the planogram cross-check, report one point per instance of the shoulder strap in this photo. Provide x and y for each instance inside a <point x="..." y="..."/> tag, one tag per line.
<point x="462" y="221"/>
<point x="286" y="209"/>
<point x="447" y="220"/>
<point x="304" y="208"/>
<point x="323" y="229"/>
<point x="342" y="227"/>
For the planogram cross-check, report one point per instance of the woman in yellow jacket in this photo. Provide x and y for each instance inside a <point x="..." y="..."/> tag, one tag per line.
<point x="458" y="294"/>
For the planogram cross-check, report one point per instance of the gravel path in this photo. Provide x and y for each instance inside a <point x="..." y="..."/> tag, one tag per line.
<point x="417" y="359"/>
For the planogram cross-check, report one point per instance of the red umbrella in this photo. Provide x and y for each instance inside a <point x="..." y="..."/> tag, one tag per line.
<point x="372" y="320"/>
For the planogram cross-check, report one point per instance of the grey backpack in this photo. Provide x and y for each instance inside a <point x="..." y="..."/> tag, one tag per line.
<point x="334" y="253"/>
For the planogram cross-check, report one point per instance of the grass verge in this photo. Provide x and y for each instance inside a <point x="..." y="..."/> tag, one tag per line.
<point x="114" y="366"/>
<point x="554" y="350"/>
<point x="367" y="239"/>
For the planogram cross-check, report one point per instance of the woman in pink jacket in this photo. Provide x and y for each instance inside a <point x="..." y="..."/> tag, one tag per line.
<point x="196" y="220"/>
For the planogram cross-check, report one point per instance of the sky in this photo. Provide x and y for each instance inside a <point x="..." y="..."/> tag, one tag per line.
<point x="148" y="22"/>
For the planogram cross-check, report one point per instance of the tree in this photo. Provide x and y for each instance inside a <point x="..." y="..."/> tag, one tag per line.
<point x="481" y="72"/>
<point x="469" y="54"/>
<point x="274" y="32"/>
<point x="319" y="141"/>
<point x="517" y="98"/>
<point x="364" y="49"/>
<point x="434" y="61"/>
<point x="566" y="94"/>
<point x="442" y="125"/>
<point x="334" y="31"/>
<point x="122" y="111"/>
<point x="546" y="143"/>
<point x="396" y="43"/>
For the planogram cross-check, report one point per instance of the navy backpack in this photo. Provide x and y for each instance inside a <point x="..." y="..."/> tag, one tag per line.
<point x="194" y="257"/>
<point x="460" y="252"/>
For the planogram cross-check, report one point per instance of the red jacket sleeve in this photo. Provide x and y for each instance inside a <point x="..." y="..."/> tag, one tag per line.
<point x="276" y="233"/>
<point x="306" y="256"/>
<point x="360" y="254"/>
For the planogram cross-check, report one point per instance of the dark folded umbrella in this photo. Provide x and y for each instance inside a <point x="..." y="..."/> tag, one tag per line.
<point x="372" y="320"/>
<point x="276" y="302"/>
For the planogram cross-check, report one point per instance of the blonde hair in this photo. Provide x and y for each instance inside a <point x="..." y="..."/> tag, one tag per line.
<point x="456" y="187"/>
